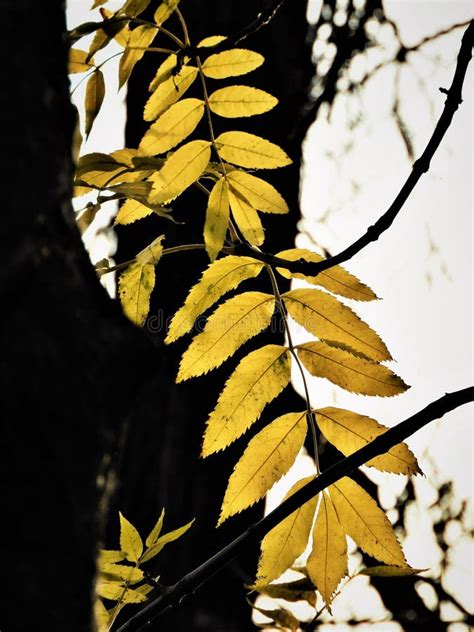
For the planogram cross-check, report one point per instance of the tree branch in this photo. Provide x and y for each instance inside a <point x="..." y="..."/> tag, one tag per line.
<point x="421" y="166"/>
<point x="186" y="586"/>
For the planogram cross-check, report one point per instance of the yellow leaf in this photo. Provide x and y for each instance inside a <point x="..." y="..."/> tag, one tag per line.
<point x="349" y="432"/>
<point x="268" y="456"/>
<point x="133" y="8"/>
<point x="327" y="318"/>
<point x="152" y="253"/>
<point x="163" y="540"/>
<point x="220" y="277"/>
<point x="337" y="280"/>
<point x="109" y="557"/>
<point x="327" y="563"/>
<point x="217" y="218"/>
<point x="229" y="327"/>
<point x="180" y="171"/>
<point x="168" y="92"/>
<point x="365" y="522"/>
<point x="130" y="540"/>
<point x="210" y="41"/>
<point x="118" y="592"/>
<point x="95" y="93"/>
<point x="297" y="590"/>
<point x="131" y="211"/>
<point x="261" y="195"/>
<point x="240" y="101"/>
<point x="164" y="11"/>
<point x="257" y="380"/>
<point x="246" y="218"/>
<point x="129" y="574"/>
<point x="281" y="617"/>
<point x="164" y="72"/>
<point x="140" y="38"/>
<point x="248" y="150"/>
<point x="172" y="127"/>
<point x="231" y="63"/>
<point x="136" y="284"/>
<point x="287" y="541"/>
<point x="354" y="374"/>
<point x="102" y="616"/>
<point x="391" y="571"/>
<point x="78" y="61"/>
<point x="155" y="532"/>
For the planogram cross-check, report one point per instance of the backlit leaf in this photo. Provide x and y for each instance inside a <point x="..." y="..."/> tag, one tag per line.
<point x="268" y="456"/>
<point x="261" y="195"/>
<point x="257" y="380"/>
<point x="172" y="127"/>
<point x="78" y="61"/>
<point x="239" y="101"/>
<point x="102" y="616"/>
<point x="95" y="93"/>
<point x="391" y="571"/>
<point x="155" y="532"/>
<point x="231" y="63"/>
<point x="133" y="8"/>
<point x="327" y="563"/>
<point x="210" y="41"/>
<point x="165" y="539"/>
<point x="287" y="541"/>
<point x="230" y="326"/>
<point x="283" y="618"/>
<point x="140" y="38"/>
<point x="164" y="11"/>
<point x="337" y="280"/>
<point x="220" y="277"/>
<point x="136" y="284"/>
<point x="246" y="218"/>
<point x="129" y="574"/>
<point x="130" y="540"/>
<point x="118" y="592"/>
<point x="349" y="432"/>
<point x="181" y="169"/>
<point x="298" y="590"/>
<point x="109" y="557"/>
<point x="365" y="522"/>
<point x="152" y="253"/>
<point x="348" y="371"/>
<point x="132" y="210"/>
<point x="327" y="318"/>
<point x="217" y="218"/>
<point x="164" y="72"/>
<point x="169" y="91"/>
<point x="248" y="150"/>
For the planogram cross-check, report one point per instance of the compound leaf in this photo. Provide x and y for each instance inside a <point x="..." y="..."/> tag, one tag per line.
<point x="240" y="101"/>
<point x="130" y="540"/>
<point x="248" y="150"/>
<point x="95" y="93"/>
<point x="169" y="91"/>
<point x="136" y="284"/>
<point x="138" y="41"/>
<point x="78" y="61"/>
<point x="260" y="194"/>
<point x="164" y="11"/>
<point x="165" y="539"/>
<point x="155" y="532"/>
<point x="246" y="218"/>
<point x="230" y="63"/>
<point x="217" y="218"/>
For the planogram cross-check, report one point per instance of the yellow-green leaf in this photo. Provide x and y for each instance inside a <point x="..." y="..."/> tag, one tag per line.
<point x="230" y="326"/>
<point x="131" y="211"/>
<point x="287" y="541"/>
<point x="133" y="8"/>
<point x="298" y="590"/>
<point x="281" y="617"/>
<point x="210" y="41"/>
<point x="337" y="280"/>
<point x="349" y="432"/>
<point x="109" y="557"/>
<point x="130" y="540"/>
<point x="231" y="63"/>
<point x="217" y="218"/>
<point x="102" y="616"/>
<point x="240" y="101"/>
<point x="365" y="522"/>
<point x="350" y="372"/>
<point x="246" y="218"/>
<point x="268" y="456"/>
<point x="164" y="11"/>
<point x="121" y="572"/>
<point x="163" y="540"/>
<point x="136" y="284"/>
<point x="140" y="38"/>
<point x="220" y="277"/>
<point x="169" y="91"/>
<point x="257" y="380"/>
<point x="155" y="532"/>
<point x="327" y="318"/>
<point x="118" y="592"/>
<point x="261" y="195"/>
<point x="78" y="61"/>
<point x="391" y="571"/>
<point x="173" y="126"/>
<point x="248" y="150"/>
<point x="95" y="93"/>
<point x="180" y="171"/>
<point x="152" y="253"/>
<point x="327" y="563"/>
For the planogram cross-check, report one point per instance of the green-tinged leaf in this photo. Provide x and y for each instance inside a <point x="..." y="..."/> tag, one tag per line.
<point x="220" y="277"/>
<point x="210" y="41"/>
<point x="155" y="532"/>
<point x="230" y="63"/>
<point x="180" y="171"/>
<point x="240" y="101"/>
<point x="348" y="371"/>
<point x="129" y="574"/>
<point x="173" y="126"/>
<point x="131" y="189"/>
<point x="164" y="540"/>
<point x="337" y="280"/>
<point x="257" y="380"/>
<point x="132" y="8"/>
<point x="248" y="150"/>
<point x="287" y="541"/>
<point x="268" y="456"/>
<point x="327" y="318"/>
<point x="260" y="194"/>
<point x="282" y="617"/>
<point x="169" y="91"/>
<point x="365" y="522"/>
<point x="140" y="38"/>
<point x="136" y="284"/>
<point x="132" y="210"/>
<point x="246" y="218"/>
<point x="327" y="563"/>
<point x="230" y="326"/>
<point x="391" y="571"/>
<point x="78" y="61"/>
<point x="164" y="11"/>
<point x="95" y="93"/>
<point x="102" y="616"/>
<point x="349" y="432"/>
<point x="118" y="592"/>
<point x="152" y="253"/>
<point x="130" y="540"/>
<point x="217" y="218"/>
<point x="109" y="557"/>
<point x="298" y="590"/>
